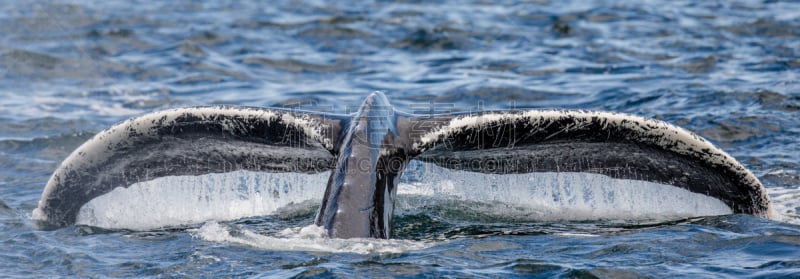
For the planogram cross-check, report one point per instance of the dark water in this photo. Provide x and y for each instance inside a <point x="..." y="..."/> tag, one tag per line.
<point x="728" y="70"/>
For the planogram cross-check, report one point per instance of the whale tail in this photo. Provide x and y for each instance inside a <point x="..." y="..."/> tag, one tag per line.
<point x="359" y="198"/>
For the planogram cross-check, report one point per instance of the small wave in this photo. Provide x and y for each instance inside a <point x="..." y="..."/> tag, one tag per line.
<point x="786" y="203"/>
<point x="294" y="65"/>
<point x="310" y="238"/>
<point x="33" y="154"/>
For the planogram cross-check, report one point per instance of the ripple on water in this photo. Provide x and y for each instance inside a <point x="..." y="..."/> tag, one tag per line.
<point x="727" y="70"/>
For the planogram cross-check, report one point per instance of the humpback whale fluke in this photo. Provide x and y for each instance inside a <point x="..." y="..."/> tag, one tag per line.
<point x="367" y="151"/>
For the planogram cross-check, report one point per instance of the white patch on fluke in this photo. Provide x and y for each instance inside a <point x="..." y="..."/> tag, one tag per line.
<point x="182" y="200"/>
<point x="556" y="196"/>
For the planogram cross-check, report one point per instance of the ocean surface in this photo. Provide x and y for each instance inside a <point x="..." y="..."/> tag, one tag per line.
<point x="727" y="70"/>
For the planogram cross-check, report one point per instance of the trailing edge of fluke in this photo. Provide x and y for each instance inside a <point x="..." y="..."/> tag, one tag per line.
<point x="367" y="151"/>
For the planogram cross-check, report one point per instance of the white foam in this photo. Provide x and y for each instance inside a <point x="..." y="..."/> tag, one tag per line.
<point x="559" y="196"/>
<point x="310" y="238"/>
<point x="180" y="200"/>
<point x="786" y="203"/>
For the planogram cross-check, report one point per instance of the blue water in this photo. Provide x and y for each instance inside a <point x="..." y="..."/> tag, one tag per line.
<point x="727" y="70"/>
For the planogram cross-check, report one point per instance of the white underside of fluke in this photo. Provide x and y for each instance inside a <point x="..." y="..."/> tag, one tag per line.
<point x="183" y="200"/>
<point x="552" y="196"/>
